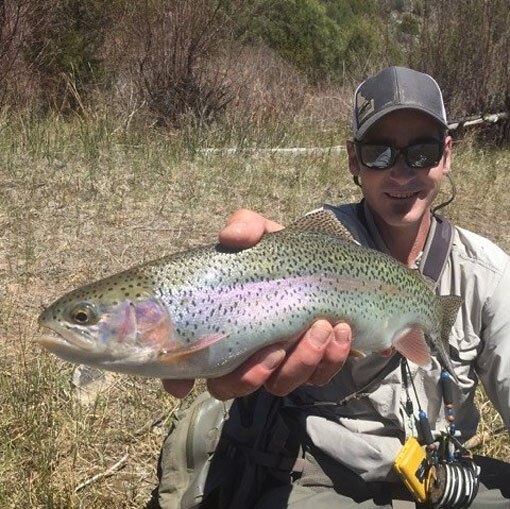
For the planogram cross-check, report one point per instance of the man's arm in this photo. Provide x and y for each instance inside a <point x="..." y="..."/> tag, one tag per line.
<point x="315" y="358"/>
<point x="494" y="360"/>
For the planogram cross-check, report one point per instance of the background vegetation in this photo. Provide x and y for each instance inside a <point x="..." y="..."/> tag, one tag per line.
<point x="107" y="110"/>
<point x="169" y="62"/>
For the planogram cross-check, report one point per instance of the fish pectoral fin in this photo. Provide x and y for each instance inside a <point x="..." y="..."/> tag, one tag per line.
<point x="184" y="351"/>
<point x="413" y="345"/>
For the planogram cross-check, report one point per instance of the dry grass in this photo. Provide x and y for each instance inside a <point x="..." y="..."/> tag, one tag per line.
<point x="83" y="199"/>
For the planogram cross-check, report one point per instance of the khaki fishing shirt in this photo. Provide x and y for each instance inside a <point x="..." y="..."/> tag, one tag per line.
<point x="367" y="433"/>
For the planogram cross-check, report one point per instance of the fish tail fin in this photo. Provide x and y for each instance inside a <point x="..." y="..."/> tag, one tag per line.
<point x="444" y="359"/>
<point x="450" y="305"/>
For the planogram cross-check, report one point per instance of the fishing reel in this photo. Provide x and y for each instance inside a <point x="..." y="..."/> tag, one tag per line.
<point x="442" y="474"/>
<point x="439" y="480"/>
<point x="453" y="485"/>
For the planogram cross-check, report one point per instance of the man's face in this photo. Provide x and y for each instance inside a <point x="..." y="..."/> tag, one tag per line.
<point x="401" y="195"/>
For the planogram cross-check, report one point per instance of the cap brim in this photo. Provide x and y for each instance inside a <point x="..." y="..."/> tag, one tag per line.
<point x="377" y="116"/>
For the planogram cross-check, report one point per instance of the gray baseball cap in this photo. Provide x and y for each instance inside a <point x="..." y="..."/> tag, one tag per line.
<point x="396" y="88"/>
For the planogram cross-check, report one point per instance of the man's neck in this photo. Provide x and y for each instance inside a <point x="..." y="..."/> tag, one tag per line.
<point x="405" y="243"/>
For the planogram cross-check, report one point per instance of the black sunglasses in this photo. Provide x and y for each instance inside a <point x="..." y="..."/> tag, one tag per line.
<point x="422" y="154"/>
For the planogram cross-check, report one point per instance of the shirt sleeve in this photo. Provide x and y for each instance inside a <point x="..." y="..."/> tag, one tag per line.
<point x="493" y="363"/>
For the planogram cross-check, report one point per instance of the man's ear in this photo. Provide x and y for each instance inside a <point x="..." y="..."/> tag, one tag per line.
<point x="447" y="154"/>
<point x="353" y="160"/>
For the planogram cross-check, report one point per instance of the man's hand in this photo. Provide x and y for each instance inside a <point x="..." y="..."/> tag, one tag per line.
<point x="315" y="358"/>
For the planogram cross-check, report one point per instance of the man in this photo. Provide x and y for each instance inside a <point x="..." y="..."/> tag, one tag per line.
<point x="352" y="415"/>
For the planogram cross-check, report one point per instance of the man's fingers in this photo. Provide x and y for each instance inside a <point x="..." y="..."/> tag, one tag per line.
<point x="244" y="228"/>
<point x="303" y="360"/>
<point x="178" y="388"/>
<point x="335" y="355"/>
<point x="249" y="376"/>
<point x="315" y="358"/>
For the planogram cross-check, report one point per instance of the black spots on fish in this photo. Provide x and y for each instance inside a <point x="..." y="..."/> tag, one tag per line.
<point x="56" y="314"/>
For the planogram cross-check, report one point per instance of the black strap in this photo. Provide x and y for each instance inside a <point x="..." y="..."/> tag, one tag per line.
<point x="438" y="250"/>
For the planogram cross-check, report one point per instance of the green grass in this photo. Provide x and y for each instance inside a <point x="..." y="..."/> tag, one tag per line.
<point x="84" y="198"/>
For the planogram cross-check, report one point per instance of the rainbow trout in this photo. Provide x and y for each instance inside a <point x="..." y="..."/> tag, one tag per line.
<point x="201" y="313"/>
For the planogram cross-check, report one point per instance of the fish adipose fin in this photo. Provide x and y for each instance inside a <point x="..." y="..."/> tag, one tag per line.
<point x="182" y="352"/>
<point x="323" y="221"/>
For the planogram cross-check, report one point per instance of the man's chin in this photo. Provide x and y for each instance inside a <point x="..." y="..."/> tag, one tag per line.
<point x="403" y="216"/>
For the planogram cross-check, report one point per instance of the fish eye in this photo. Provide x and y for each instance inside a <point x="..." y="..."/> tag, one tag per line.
<point x="84" y="314"/>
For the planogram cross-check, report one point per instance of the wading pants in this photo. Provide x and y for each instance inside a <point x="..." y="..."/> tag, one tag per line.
<point x="315" y="489"/>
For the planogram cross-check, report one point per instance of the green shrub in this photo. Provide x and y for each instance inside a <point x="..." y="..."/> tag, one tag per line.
<point x="326" y="39"/>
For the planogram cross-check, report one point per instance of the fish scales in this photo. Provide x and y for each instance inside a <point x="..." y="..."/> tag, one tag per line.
<point x="202" y="312"/>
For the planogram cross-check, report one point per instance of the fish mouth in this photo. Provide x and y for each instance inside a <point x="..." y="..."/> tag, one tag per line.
<point x="75" y="338"/>
<point x="69" y="348"/>
<point x="74" y="345"/>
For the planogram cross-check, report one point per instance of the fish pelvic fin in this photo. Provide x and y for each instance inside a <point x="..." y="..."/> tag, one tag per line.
<point x="185" y="351"/>
<point x="323" y="221"/>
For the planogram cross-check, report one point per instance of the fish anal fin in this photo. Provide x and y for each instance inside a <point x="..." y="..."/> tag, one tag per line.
<point x="182" y="352"/>
<point x="322" y="221"/>
<point x="412" y="344"/>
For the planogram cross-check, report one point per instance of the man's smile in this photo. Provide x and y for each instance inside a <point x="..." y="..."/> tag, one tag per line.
<point x="401" y="195"/>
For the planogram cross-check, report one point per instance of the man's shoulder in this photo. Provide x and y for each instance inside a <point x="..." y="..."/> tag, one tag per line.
<point x="478" y="250"/>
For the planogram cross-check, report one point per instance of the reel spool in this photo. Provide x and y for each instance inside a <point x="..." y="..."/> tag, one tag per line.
<point x="453" y="485"/>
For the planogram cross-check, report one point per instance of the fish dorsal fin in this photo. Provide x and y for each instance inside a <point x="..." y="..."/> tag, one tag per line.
<point x="323" y="221"/>
<point x="426" y="279"/>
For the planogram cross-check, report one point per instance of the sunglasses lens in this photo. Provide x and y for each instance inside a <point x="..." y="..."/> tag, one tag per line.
<point x="424" y="155"/>
<point x="376" y="156"/>
<point x="419" y="155"/>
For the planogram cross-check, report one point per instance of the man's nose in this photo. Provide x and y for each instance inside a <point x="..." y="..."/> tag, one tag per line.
<point x="401" y="170"/>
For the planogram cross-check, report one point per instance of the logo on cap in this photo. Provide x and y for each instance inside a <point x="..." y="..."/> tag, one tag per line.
<point x="364" y="107"/>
